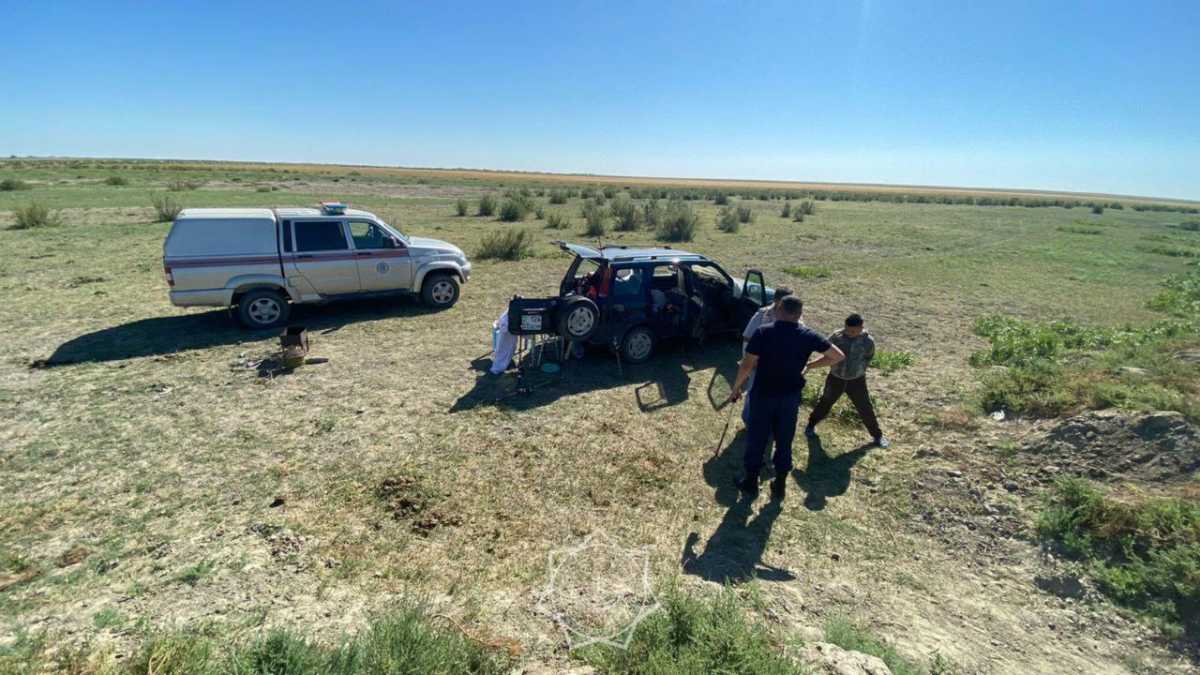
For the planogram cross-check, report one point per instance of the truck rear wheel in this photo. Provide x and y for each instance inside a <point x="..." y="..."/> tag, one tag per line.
<point x="440" y="290"/>
<point x="263" y="308"/>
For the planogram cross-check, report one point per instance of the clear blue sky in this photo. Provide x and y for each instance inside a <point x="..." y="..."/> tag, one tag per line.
<point x="1094" y="96"/>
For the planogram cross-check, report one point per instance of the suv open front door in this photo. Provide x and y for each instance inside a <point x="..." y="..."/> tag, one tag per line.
<point x="753" y="297"/>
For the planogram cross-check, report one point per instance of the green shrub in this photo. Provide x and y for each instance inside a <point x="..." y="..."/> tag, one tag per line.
<point x="1189" y="225"/>
<point x="727" y="220"/>
<point x="1144" y="552"/>
<point x="1180" y="295"/>
<point x="786" y="211"/>
<point x="36" y="215"/>
<point x="745" y="214"/>
<point x="487" y="205"/>
<point x="461" y="208"/>
<point x="116" y="180"/>
<point x="797" y="215"/>
<point x="804" y="272"/>
<point x="720" y="199"/>
<point x="695" y="635"/>
<point x="889" y="362"/>
<point x="540" y="212"/>
<point x="1097" y="209"/>
<point x="166" y="209"/>
<point x="625" y="214"/>
<point x="13" y="184"/>
<point x="652" y="213"/>
<point x="594" y="218"/>
<point x="1054" y="368"/>
<point x="265" y="188"/>
<point x="406" y="641"/>
<point x="807" y="207"/>
<point x="506" y="244"/>
<point x="1075" y="229"/>
<point x="678" y="223"/>
<point x="848" y="635"/>
<point x="558" y="196"/>
<point x="1172" y="251"/>
<point x="517" y="207"/>
<point x="557" y="221"/>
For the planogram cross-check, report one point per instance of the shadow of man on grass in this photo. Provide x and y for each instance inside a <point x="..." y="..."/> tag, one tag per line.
<point x="826" y="476"/>
<point x="733" y="554"/>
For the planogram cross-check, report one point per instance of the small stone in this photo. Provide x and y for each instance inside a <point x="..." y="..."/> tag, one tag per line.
<point x="1011" y="486"/>
<point x="277" y="502"/>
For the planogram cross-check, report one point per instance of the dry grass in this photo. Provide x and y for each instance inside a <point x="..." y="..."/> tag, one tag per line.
<point x="156" y="445"/>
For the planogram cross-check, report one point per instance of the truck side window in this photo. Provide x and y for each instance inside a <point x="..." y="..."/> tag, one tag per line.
<point x="287" y="236"/>
<point x="320" y="235"/>
<point x="367" y="235"/>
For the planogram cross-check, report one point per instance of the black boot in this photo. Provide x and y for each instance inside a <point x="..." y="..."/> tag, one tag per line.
<point x="779" y="488"/>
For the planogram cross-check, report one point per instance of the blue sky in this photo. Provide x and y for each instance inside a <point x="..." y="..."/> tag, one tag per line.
<point x="1094" y="96"/>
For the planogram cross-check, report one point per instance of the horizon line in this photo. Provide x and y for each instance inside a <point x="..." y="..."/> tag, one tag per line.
<point x="610" y="178"/>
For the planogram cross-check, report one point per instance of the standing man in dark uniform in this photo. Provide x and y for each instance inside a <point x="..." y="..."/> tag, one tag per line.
<point x="779" y="352"/>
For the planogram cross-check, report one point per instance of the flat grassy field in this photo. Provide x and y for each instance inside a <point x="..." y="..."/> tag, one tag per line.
<point x="154" y="478"/>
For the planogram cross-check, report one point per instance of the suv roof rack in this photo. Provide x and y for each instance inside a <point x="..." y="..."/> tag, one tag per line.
<point x="647" y="246"/>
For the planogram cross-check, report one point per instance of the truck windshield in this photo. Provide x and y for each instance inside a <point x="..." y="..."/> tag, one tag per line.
<point x="395" y="231"/>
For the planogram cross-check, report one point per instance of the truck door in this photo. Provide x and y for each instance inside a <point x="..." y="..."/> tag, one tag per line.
<point x="383" y="261"/>
<point x="323" y="256"/>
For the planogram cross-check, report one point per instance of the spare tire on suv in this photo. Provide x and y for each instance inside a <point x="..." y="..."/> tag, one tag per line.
<point x="578" y="318"/>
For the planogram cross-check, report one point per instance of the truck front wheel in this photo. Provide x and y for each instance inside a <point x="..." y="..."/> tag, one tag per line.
<point x="263" y="308"/>
<point x="440" y="290"/>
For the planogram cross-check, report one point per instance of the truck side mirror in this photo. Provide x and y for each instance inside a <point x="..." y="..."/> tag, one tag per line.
<point x="389" y="242"/>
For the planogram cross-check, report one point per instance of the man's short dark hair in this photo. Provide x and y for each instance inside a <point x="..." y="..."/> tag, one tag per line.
<point x="781" y="292"/>
<point x="854" y="320"/>
<point x="792" y="306"/>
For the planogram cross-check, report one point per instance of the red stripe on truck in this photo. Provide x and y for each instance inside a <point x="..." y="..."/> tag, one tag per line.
<point x="230" y="261"/>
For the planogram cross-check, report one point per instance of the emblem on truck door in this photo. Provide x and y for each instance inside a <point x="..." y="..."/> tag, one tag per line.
<point x="382" y="267"/>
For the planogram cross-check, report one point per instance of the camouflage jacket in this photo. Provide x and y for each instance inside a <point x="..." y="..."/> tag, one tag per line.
<point x="859" y="352"/>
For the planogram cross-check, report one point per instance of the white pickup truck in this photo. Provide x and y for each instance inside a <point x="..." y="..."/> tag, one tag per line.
<point x="260" y="261"/>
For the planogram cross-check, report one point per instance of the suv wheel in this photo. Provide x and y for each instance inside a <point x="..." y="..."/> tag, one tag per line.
<point x="638" y="345"/>
<point x="440" y="290"/>
<point x="578" y="318"/>
<point x="263" y="309"/>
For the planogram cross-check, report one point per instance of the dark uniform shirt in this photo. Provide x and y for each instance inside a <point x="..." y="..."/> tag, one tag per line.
<point x="783" y="349"/>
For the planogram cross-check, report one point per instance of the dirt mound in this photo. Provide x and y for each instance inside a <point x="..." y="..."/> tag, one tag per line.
<point x="1153" y="447"/>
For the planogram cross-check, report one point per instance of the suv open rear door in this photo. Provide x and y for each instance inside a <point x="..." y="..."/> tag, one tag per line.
<point x="753" y="296"/>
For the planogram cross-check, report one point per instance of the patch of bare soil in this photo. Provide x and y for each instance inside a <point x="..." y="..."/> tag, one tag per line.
<point x="1108" y="445"/>
<point x="408" y="500"/>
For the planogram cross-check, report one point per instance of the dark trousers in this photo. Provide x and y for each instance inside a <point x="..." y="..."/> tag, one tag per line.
<point x="857" y="391"/>
<point x="771" y="416"/>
